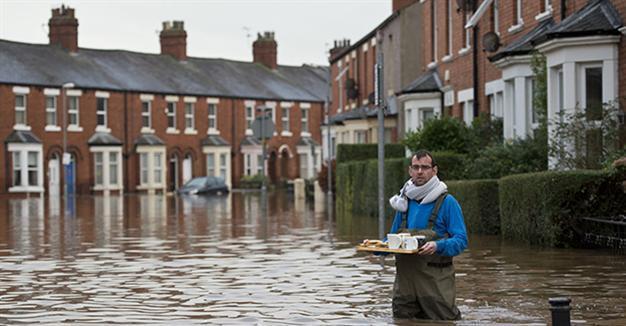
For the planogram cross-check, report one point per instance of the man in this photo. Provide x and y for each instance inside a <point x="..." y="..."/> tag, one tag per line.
<point x="424" y="286"/>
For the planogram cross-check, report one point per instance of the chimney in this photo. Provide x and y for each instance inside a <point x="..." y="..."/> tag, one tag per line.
<point x="63" y="29"/>
<point x="264" y="50"/>
<point x="400" y="4"/>
<point x="173" y="40"/>
<point x="338" y="48"/>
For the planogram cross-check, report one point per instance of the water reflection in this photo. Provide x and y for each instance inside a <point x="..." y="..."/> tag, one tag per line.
<point x="246" y="258"/>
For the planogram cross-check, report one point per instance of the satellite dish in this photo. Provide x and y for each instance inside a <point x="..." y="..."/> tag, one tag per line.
<point x="491" y="42"/>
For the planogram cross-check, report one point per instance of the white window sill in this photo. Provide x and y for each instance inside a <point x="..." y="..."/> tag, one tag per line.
<point x="212" y="132"/>
<point x="516" y="28"/>
<point x="464" y="51"/>
<point x="447" y="58"/>
<point x="286" y="133"/>
<point x="190" y="131"/>
<point x="432" y="65"/>
<point x="150" y="186"/>
<point x="52" y="128"/>
<point x="146" y="130"/>
<point x="26" y="189"/>
<point x="249" y="132"/>
<point x="74" y="128"/>
<point x="275" y="133"/>
<point x="305" y="134"/>
<point x="172" y="131"/>
<point x="21" y="127"/>
<point x="544" y="15"/>
<point x="103" y="129"/>
<point x="106" y="187"/>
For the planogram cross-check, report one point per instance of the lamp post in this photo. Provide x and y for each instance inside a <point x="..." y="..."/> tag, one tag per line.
<point x="66" y="158"/>
<point x="263" y="110"/>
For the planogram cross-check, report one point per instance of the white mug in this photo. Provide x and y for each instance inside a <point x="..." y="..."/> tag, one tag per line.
<point x="411" y="243"/>
<point x="394" y="240"/>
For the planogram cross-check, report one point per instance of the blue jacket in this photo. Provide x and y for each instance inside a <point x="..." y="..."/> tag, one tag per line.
<point x="449" y="221"/>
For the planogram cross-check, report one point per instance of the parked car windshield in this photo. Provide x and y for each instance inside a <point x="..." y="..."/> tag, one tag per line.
<point x="196" y="182"/>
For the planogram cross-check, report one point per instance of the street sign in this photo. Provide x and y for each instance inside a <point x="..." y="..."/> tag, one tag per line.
<point x="263" y="127"/>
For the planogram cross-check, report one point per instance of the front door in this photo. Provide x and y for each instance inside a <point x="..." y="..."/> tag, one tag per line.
<point x="173" y="173"/>
<point x="54" y="181"/>
<point x="187" y="171"/>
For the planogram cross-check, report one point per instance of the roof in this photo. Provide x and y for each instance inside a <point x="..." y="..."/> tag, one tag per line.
<point x="597" y="17"/>
<point x="214" y="140"/>
<point x="22" y="137"/>
<point x="425" y="83"/>
<point x="118" y="70"/>
<point x="307" y="141"/>
<point x="523" y="45"/>
<point x="364" y="112"/>
<point x="103" y="139"/>
<point x="365" y="38"/>
<point x="149" y="140"/>
<point x="250" y="141"/>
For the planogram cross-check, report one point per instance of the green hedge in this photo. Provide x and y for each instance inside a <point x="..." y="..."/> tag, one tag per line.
<point x="545" y="208"/>
<point x="479" y="202"/>
<point x="357" y="185"/>
<point x="362" y="152"/>
<point x="451" y="165"/>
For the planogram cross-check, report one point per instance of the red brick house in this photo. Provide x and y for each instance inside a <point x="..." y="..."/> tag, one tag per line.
<point x="149" y="122"/>
<point x="478" y="60"/>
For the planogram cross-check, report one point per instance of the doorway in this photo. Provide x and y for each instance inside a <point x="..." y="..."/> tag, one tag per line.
<point x="54" y="180"/>
<point x="173" y="173"/>
<point x="187" y="168"/>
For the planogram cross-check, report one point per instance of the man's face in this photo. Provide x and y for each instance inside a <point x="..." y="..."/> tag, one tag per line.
<point x="421" y="170"/>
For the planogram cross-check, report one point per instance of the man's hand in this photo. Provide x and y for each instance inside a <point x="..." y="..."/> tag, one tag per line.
<point x="428" y="249"/>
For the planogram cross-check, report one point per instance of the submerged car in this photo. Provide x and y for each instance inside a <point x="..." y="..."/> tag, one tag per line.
<point x="204" y="185"/>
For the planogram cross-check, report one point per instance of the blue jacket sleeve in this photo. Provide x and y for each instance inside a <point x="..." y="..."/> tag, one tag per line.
<point x="454" y="226"/>
<point x="397" y="223"/>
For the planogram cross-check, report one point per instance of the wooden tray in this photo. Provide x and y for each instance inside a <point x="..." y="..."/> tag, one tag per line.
<point x="387" y="250"/>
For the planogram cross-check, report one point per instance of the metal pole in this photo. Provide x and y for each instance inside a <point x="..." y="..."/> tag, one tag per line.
<point x="381" y="136"/>
<point x="263" y="186"/>
<point x="560" y="309"/>
<point x="329" y="192"/>
<point x="64" y="158"/>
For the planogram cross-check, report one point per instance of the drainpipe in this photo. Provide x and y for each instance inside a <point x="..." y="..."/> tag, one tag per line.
<point x="125" y="152"/>
<point x="475" y="65"/>
<point x="233" y="152"/>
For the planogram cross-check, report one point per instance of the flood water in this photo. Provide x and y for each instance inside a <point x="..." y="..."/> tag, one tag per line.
<point x="238" y="259"/>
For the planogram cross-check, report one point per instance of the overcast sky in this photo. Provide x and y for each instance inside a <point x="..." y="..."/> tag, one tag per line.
<point x="305" y="29"/>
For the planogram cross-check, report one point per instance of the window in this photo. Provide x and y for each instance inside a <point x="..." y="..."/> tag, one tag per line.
<point x="530" y="107"/>
<point x="189" y="116"/>
<point x="249" y="116"/>
<point x="259" y="164"/>
<point x="20" y="109"/>
<point x="305" y="120"/>
<point x="466" y="39"/>
<point x="248" y="164"/>
<point x="99" y="168"/>
<point x="113" y="166"/>
<point x="146" y="111"/>
<point x="593" y="93"/>
<point x="517" y="12"/>
<point x="304" y="166"/>
<point x="158" y="168"/>
<point x="360" y="136"/>
<point x="495" y="17"/>
<point x="73" y="111"/>
<point x="33" y="168"/>
<point x="223" y="166"/>
<point x="426" y="114"/>
<point x="212" y="116"/>
<point x="210" y="164"/>
<point x="546" y="5"/>
<point x="17" y="169"/>
<point x="433" y="30"/>
<point x="143" y="165"/>
<point x="171" y="115"/>
<point x="101" y="112"/>
<point x="285" y="119"/>
<point x="449" y="28"/>
<point x="51" y="110"/>
<point x="468" y="112"/>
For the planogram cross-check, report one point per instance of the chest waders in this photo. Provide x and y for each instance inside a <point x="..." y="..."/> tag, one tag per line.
<point x="424" y="286"/>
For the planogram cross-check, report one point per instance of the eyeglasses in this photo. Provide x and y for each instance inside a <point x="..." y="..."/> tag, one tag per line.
<point x="417" y="167"/>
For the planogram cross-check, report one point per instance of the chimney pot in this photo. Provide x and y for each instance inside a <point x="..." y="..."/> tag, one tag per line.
<point x="63" y="29"/>
<point x="264" y="50"/>
<point x="173" y="39"/>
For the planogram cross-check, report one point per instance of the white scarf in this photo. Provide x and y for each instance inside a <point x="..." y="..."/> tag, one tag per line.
<point x="426" y="193"/>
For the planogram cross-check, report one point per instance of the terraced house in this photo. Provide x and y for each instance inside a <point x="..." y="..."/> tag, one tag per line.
<point x="133" y="121"/>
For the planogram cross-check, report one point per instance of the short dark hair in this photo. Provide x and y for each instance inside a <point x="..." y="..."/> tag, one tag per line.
<point x="424" y="153"/>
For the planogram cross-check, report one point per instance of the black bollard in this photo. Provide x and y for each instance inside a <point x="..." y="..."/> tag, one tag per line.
<point x="560" y="309"/>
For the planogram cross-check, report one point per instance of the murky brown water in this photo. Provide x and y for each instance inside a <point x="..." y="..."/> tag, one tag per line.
<point x="219" y="260"/>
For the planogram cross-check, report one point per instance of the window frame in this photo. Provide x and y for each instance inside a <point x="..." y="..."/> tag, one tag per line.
<point x="21" y="110"/>
<point x="190" y="120"/>
<point x="146" y="104"/>
<point x="171" y="115"/>
<point x="101" y="111"/>
<point x="51" y="111"/>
